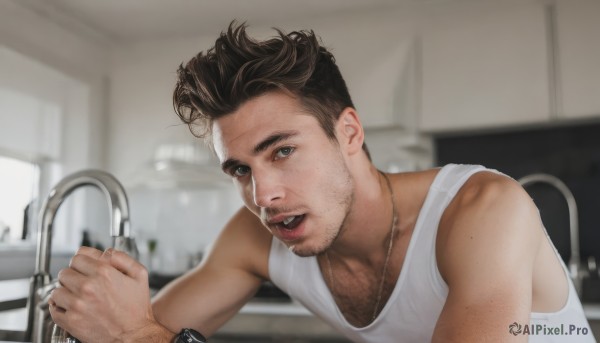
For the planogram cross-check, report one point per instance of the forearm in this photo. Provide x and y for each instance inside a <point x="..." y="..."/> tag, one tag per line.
<point x="153" y="333"/>
<point x="487" y="321"/>
<point x="193" y="302"/>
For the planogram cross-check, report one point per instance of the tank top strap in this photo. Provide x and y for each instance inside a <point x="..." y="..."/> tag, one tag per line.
<point x="453" y="176"/>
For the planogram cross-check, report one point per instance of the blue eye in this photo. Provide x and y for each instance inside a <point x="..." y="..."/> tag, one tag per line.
<point x="284" y="152"/>
<point x="240" y="171"/>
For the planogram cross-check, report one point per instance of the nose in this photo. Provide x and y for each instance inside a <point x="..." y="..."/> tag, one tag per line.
<point x="266" y="189"/>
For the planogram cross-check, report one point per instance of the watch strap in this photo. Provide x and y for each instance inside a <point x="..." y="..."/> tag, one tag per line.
<point x="187" y="335"/>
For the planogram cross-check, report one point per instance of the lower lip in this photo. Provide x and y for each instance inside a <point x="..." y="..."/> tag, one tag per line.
<point x="292" y="235"/>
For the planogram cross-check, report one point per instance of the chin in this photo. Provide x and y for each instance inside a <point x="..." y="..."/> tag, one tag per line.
<point x="306" y="253"/>
<point x="304" y="250"/>
<point x="315" y="245"/>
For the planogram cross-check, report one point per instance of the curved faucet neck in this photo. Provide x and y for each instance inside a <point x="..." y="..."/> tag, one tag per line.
<point x="120" y="230"/>
<point x="571" y="205"/>
<point x="575" y="259"/>
<point x="108" y="185"/>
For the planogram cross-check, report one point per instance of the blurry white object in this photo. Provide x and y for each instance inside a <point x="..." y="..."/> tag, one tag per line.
<point x="182" y="199"/>
<point x="179" y="165"/>
<point x="395" y="150"/>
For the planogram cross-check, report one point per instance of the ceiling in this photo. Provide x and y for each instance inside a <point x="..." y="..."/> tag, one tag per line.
<point x="125" y="21"/>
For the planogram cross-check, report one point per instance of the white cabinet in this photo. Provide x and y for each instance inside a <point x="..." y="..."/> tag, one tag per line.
<point x="377" y="59"/>
<point x="578" y="46"/>
<point x="484" y="64"/>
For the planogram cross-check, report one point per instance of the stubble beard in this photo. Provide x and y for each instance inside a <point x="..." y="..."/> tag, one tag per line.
<point x="331" y="235"/>
<point x="333" y="231"/>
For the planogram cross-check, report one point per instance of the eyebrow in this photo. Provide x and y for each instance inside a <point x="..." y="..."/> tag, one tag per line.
<point x="261" y="146"/>
<point x="272" y="140"/>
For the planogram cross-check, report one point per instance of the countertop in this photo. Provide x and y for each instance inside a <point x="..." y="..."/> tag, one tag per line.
<point x="13" y="299"/>
<point x="13" y="294"/>
<point x="12" y="291"/>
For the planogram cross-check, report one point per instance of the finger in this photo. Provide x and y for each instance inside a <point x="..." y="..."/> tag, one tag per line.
<point x="125" y="264"/>
<point x="54" y="307"/>
<point x="91" y="252"/>
<point x="61" y="299"/>
<point x="52" y="303"/>
<point x="71" y="279"/>
<point x="85" y="264"/>
<point x="58" y="314"/>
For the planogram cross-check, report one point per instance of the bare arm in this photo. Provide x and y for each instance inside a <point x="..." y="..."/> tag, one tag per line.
<point x="105" y="297"/>
<point x="206" y="297"/>
<point x="489" y="240"/>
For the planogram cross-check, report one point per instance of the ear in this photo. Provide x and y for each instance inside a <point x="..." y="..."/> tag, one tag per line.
<point x="350" y="132"/>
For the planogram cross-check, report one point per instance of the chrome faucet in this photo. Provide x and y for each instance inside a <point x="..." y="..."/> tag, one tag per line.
<point x="575" y="267"/>
<point x="39" y="322"/>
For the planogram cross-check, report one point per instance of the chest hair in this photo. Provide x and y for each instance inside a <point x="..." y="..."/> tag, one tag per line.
<point x="356" y="294"/>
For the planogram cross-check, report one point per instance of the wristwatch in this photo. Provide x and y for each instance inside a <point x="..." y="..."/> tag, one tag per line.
<point x="189" y="336"/>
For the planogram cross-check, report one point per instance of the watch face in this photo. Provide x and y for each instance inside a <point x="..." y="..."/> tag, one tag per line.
<point x="190" y="336"/>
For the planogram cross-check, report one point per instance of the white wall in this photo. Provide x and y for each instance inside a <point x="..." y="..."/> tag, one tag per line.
<point x="66" y="73"/>
<point x="80" y="63"/>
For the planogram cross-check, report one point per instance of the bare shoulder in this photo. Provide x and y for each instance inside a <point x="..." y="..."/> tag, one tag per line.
<point x="491" y="217"/>
<point x="486" y="194"/>
<point x="486" y="248"/>
<point x="244" y="243"/>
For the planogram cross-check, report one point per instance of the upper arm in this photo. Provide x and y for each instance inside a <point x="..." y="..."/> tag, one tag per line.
<point x="229" y="275"/>
<point x="489" y="238"/>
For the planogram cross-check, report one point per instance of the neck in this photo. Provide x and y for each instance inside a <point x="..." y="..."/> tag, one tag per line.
<point x="365" y="235"/>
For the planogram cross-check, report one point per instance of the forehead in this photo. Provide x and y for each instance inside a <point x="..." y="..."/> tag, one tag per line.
<point x="256" y="119"/>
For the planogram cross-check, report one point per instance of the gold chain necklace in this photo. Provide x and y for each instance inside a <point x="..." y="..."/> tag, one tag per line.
<point x="387" y="258"/>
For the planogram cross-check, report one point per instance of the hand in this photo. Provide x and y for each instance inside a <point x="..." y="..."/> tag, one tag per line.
<point x="103" y="297"/>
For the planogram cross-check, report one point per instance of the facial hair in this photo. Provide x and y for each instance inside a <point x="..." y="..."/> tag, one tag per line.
<point x="344" y="200"/>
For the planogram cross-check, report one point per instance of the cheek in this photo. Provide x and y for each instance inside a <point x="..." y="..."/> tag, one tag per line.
<point x="335" y="180"/>
<point x="245" y="191"/>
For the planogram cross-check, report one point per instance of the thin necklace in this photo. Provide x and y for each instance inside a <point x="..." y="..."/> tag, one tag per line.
<point x="387" y="258"/>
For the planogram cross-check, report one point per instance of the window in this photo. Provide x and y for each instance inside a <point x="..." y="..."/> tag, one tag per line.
<point x="18" y="188"/>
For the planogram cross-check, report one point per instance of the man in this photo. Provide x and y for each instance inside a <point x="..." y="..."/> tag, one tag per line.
<point x="456" y="254"/>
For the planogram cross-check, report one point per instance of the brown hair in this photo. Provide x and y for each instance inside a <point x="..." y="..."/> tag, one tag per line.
<point x="238" y="68"/>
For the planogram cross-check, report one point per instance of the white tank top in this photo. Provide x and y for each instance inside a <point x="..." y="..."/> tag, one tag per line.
<point x="411" y="313"/>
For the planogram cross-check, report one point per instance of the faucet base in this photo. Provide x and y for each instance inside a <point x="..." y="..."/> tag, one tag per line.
<point x="38" y="281"/>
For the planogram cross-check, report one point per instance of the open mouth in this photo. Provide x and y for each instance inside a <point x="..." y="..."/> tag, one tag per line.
<point x="290" y="229"/>
<point x="292" y="222"/>
<point x="287" y="228"/>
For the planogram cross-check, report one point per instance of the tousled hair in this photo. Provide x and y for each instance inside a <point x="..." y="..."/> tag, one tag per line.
<point x="238" y="68"/>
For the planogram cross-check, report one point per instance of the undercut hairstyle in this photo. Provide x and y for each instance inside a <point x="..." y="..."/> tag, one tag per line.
<point x="239" y="68"/>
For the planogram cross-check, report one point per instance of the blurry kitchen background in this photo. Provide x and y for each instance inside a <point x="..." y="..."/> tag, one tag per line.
<point x="511" y="84"/>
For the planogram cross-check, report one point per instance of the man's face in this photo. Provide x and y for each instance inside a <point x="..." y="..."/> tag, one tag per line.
<point x="289" y="173"/>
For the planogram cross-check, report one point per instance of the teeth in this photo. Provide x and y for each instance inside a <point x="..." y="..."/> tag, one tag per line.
<point x="288" y="220"/>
